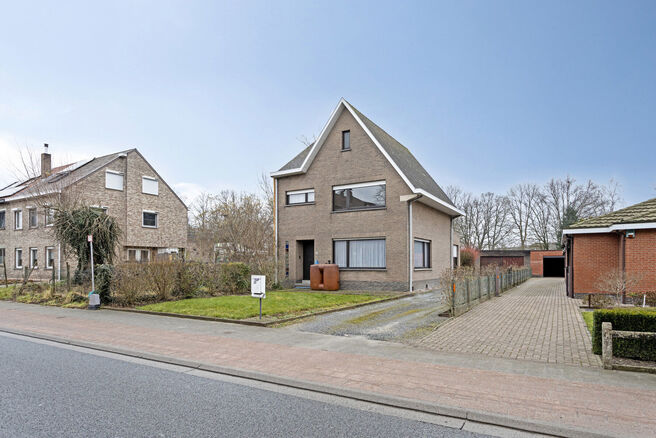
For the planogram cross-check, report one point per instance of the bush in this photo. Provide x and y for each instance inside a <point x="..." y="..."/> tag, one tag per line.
<point x="130" y="285"/>
<point x="637" y="320"/>
<point x="162" y="278"/>
<point x="235" y="277"/>
<point x="104" y="275"/>
<point x="188" y="279"/>
<point x="649" y="297"/>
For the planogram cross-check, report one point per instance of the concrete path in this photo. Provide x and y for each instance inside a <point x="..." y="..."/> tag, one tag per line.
<point x="561" y="399"/>
<point x="535" y="321"/>
<point x="403" y="320"/>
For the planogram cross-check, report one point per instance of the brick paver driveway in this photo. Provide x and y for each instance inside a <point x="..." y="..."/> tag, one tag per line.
<point x="535" y="321"/>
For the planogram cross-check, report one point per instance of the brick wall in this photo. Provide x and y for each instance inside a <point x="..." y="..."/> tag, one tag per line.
<point x="641" y="259"/>
<point x="593" y="255"/>
<point x="536" y="260"/>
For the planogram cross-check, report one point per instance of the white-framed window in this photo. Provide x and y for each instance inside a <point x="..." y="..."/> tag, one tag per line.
<point x="2" y="256"/>
<point x="33" y="217"/>
<point x="3" y="219"/>
<point x="18" y="219"/>
<point x="149" y="185"/>
<point x="34" y="258"/>
<point x="113" y="180"/>
<point x="139" y="255"/>
<point x="49" y="216"/>
<point x="100" y="208"/>
<point x="359" y="253"/>
<point x="18" y="253"/>
<point x="422" y="253"/>
<point x="149" y="219"/>
<point x="361" y="196"/>
<point x="300" y="197"/>
<point x="346" y="140"/>
<point x="50" y="257"/>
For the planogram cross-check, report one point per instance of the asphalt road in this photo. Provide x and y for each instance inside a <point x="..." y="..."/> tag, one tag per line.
<point x="48" y="391"/>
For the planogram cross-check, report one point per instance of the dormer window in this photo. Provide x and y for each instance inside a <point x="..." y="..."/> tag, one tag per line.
<point x="346" y="140"/>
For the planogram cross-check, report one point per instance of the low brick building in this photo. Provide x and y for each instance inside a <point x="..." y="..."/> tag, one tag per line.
<point x="624" y="240"/>
<point x="152" y="218"/>
<point x="358" y="198"/>
<point x="543" y="263"/>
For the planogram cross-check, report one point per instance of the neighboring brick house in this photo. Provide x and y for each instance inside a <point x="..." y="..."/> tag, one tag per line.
<point x="358" y="198"/>
<point x="152" y="218"/>
<point x="623" y="240"/>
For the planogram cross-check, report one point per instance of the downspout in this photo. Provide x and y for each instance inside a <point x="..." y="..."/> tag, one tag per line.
<point x="410" y="241"/>
<point x="451" y="242"/>
<point x="275" y="227"/>
<point x="623" y="264"/>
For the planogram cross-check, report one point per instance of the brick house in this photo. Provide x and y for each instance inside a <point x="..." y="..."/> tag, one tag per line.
<point x="543" y="263"/>
<point x="623" y="240"/>
<point x="360" y="199"/>
<point x="153" y="219"/>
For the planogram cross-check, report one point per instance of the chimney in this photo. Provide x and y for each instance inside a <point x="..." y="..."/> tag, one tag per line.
<point x="46" y="161"/>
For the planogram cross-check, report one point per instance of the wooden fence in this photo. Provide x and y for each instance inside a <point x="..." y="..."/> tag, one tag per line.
<point x="468" y="293"/>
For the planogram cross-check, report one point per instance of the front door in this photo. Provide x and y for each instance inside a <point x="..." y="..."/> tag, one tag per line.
<point x="308" y="258"/>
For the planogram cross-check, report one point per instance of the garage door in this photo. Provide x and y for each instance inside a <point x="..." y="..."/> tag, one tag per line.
<point x="553" y="266"/>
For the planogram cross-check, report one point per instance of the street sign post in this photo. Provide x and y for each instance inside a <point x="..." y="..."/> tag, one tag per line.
<point x="258" y="288"/>
<point x="94" y="298"/>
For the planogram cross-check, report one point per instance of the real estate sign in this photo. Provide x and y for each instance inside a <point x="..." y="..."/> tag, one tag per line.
<point x="258" y="283"/>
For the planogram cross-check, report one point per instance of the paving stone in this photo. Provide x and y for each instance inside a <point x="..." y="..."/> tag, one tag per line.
<point x="535" y="321"/>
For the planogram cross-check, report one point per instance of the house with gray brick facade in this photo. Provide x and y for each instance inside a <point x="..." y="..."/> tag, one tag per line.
<point x="359" y="198"/>
<point x="153" y="219"/>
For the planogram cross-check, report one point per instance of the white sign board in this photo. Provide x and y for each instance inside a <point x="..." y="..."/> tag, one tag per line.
<point x="90" y="238"/>
<point x="258" y="283"/>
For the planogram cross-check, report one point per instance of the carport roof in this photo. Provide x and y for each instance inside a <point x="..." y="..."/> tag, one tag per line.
<point x="635" y="214"/>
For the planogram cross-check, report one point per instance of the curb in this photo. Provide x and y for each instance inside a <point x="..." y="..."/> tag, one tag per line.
<point x="257" y="323"/>
<point x="381" y="399"/>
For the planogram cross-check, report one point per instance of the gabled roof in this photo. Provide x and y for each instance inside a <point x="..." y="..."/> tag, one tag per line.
<point x="59" y="178"/>
<point x="642" y="215"/>
<point x="407" y="166"/>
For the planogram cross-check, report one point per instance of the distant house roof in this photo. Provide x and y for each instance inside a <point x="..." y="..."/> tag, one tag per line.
<point x="412" y="172"/>
<point x="59" y="178"/>
<point x="642" y="215"/>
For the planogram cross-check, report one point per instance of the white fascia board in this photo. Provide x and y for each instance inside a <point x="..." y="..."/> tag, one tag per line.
<point x="356" y="185"/>
<point x="616" y="227"/>
<point x="441" y="205"/>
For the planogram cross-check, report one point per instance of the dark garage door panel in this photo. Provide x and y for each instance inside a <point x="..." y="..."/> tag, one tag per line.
<point x="553" y="266"/>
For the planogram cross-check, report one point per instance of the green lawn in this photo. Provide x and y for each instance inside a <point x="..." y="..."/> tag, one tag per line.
<point x="276" y="305"/>
<point x="587" y="317"/>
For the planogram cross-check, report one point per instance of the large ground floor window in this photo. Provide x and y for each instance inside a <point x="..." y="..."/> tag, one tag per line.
<point x="359" y="253"/>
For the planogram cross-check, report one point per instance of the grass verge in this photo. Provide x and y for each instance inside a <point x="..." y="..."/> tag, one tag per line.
<point x="587" y="317"/>
<point x="276" y="305"/>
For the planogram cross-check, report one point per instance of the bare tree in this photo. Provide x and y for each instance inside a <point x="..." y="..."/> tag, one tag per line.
<point x="540" y="222"/>
<point x="618" y="283"/>
<point x="521" y="202"/>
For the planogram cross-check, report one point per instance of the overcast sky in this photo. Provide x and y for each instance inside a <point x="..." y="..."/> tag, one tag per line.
<point x="485" y="94"/>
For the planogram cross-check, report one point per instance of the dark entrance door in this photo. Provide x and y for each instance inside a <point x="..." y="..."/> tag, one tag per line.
<point x="553" y="266"/>
<point x="308" y="258"/>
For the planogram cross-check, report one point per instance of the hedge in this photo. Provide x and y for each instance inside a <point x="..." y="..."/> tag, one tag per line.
<point x="636" y="320"/>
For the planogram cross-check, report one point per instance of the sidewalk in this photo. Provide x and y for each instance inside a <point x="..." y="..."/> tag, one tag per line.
<point x="604" y="402"/>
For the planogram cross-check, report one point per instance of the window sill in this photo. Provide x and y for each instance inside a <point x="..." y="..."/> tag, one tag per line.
<point x="346" y="150"/>
<point x="359" y="209"/>
<point x="423" y="269"/>
<point x="116" y="190"/>
<point x="300" y="204"/>
<point x="148" y="226"/>
<point x="363" y="269"/>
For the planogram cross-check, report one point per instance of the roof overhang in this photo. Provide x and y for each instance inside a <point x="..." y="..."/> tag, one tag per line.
<point x="426" y="198"/>
<point x="610" y="229"/>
